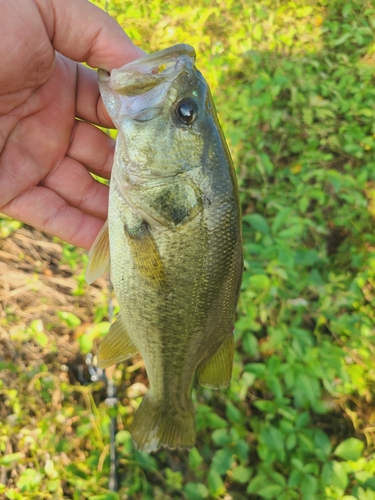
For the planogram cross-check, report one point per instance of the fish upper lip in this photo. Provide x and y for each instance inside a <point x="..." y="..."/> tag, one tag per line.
<point x="150" y="71"/>
<point x="165" y="55"/>
<point x="169" y="53"/>
<point x="103" y="75"/>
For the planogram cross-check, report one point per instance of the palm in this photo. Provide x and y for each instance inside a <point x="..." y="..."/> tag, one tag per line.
<point x="46" y="154"/>
<point x="47" y="128"/>
<point x="48" y="147"/>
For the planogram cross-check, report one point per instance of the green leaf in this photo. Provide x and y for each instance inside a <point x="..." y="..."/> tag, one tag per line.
<point x="146" y="461"/>
<point x="8" y="366"/>
<point x="85" y="343"/>
<point x="322" y="442"/>
<point x="215" y="484"/>
<point x="69" y="318"/>
<point x="290" y="232"/>
<point x="339" y="477"/>
<point x="173" y="478"/>
<point x="259" y="281"/>
<point x="342" y="39"/>
<point x="277" y="478"/>
<point x="222" y="461"/>
<point x="250" y="343"/>
<point x="309" y="487"/>
<point x="49" y="469"/>
<point x="29" y="480"/>
<point x="241" y="449"/>
<point x="7" y="460"/>
<point x="84" y="429"/>
<point x="346" y="9"/>
<point x="233" y="413"/>
<point x="257" y="32"/>
<point x="295" y="478"/>
<point x="306" y="442"/>
<point x="257" y="368"/>
<point x="257" y="222"/>
<point x="14" y="495"/>
<point x="350" y="449"/>
<point x="221" y="437"/>
<point x="370" y="483"/>
<point x="241" y="474"/>
<point x="122" y="437"/>
<point x="265" y="406"/>
<point x="270" y="491"/>
<point x="36" y="326"/>
<point x="196" y="491"/>
<point x="280" y="219"/>
<point x="275" y="386"/>
<point x="41" y="338"/>
<point x="291" y="441"/>
<point x="302" y="420"/>
<point x="256" y="483"/>
<point x="214" y="421"/>
<point x="195" y="458"/>
<point x="273" y="438"/>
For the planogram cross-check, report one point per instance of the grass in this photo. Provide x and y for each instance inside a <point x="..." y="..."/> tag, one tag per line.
<point x="294" y="86"/>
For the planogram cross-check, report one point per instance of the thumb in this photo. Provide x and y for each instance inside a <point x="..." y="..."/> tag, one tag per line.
<point x="82" y="32"/>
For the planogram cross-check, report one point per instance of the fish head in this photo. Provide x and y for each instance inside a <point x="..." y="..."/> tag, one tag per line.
<point x="163" y="111"/>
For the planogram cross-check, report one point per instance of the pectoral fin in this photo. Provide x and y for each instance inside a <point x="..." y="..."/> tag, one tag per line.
<point x="116" y="346"/>
<point x="217" y="371"/>
<point x="145" y="253"/>
<point x="98" y="255"/>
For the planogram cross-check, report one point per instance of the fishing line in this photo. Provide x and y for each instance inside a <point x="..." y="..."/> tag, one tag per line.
<point x="111" y="399"/>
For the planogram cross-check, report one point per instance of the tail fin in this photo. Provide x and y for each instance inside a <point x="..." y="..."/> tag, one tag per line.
<point x="154" y="426"/>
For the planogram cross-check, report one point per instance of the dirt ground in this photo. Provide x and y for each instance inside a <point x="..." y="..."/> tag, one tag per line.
<point x="35" y="284"/>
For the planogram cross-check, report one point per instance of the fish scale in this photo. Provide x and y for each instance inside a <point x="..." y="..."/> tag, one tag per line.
<point x="174" y="240"/>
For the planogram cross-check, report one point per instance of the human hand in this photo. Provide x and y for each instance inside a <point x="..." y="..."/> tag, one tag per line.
<point x="46" y="154"/>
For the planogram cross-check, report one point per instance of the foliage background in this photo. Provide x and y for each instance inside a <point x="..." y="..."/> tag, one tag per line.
<point x="294" y="85"/>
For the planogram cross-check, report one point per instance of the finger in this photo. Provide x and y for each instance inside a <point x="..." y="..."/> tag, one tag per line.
<point x="89" y="104"/>
<point x="50" y="213"/>
<point x="72" y="182"/>
<point x="93" y="148"/>
<point x="83" y="32"/>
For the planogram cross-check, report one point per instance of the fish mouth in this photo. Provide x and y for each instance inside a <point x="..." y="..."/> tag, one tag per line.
<point x="144" y="73"/>
<point x="139" y="88"/>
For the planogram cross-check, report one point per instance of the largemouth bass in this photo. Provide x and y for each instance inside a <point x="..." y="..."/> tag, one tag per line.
<point x="173" y="240"/>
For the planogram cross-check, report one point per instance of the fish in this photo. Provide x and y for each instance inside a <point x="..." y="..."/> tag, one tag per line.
<point x="172" y="238"/>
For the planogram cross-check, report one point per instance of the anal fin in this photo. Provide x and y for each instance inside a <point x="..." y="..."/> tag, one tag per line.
<point x="98" y="255"/>
<point x="217" y="371"/>
<point x="116" y="346"/>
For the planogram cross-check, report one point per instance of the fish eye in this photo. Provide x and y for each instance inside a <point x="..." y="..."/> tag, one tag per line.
<point x="187" y="111"/>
